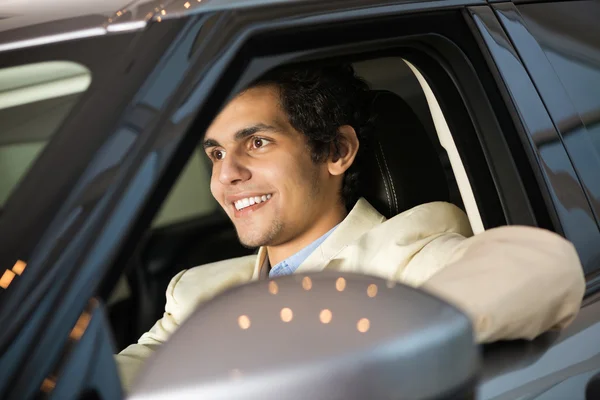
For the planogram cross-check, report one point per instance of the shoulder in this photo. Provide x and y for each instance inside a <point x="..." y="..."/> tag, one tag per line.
<point x="195" y="285"/>
<point x="430" y="219"/>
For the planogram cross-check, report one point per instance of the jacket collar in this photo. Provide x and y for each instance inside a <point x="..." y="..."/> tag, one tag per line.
<point x="361" y="219"/>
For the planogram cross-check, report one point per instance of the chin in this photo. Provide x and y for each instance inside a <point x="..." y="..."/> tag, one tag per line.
<point x="251" y="241"/>
<point x="255" y="239"/>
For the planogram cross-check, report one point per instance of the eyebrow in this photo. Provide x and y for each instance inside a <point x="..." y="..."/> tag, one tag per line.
<point x="241" y="134"/>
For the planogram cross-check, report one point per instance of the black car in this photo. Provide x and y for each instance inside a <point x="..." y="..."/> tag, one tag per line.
<point x="104" y="189"/>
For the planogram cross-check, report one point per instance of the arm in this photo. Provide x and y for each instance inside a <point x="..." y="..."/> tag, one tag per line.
<point x="184" y="294"/>
<point x="514" y="282"/>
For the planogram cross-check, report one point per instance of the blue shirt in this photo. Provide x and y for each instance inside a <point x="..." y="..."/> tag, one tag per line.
<point x="291" y="264"/>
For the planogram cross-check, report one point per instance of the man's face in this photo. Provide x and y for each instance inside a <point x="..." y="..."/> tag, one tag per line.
<point x="263" y="175"/>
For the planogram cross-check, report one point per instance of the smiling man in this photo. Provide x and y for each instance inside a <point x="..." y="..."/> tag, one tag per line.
<point x="279" y="190"/>
<point x="286" y="156"/>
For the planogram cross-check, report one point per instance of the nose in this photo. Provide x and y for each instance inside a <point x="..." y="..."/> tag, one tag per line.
<point x="232" y="170"/>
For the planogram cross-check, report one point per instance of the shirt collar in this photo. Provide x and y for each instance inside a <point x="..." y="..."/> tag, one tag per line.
<point x="361" y="219"/>
<point x="291" y="264"/>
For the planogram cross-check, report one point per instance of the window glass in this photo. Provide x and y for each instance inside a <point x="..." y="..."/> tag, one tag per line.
<point x="34" y="100"/>
<point x="190" y="197"/>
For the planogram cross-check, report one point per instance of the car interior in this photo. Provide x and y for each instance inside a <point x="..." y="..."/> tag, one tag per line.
<point x="411" y="159"/>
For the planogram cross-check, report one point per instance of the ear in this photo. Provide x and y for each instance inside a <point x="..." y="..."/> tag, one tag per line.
<point x="342" y="156"/>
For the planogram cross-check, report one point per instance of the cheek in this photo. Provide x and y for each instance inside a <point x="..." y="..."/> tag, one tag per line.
<point x="296" y="180"/>
<point x="215" y="188"/>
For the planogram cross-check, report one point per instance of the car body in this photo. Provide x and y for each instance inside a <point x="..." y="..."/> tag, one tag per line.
<point x="522" y="78"/>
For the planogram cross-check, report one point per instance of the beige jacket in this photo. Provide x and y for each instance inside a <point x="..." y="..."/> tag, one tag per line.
<point x="514" y="282"/>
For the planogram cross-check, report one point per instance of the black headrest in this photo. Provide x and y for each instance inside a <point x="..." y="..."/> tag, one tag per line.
<point x="401" y="167"/>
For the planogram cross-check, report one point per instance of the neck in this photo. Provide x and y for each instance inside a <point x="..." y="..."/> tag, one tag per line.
<point x="282" y="251"/>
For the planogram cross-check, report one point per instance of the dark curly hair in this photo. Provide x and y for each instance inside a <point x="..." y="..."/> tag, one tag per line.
<point x="320" y="99"/>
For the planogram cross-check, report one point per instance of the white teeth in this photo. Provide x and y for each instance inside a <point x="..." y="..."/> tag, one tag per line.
<point x="249" y="201"/>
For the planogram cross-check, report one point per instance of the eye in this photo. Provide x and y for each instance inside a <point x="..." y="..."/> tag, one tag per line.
<point x="218" y="154"/>
<point x="259" y="142"/>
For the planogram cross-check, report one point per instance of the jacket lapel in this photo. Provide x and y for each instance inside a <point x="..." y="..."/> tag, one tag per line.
<point x="261" y="265"/>
<point x="361" y="219"/>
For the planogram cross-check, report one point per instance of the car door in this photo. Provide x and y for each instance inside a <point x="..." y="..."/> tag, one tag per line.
<point x="565" y="365"/>
<point x="143" y="126"/>
<point x="51" y="325"/>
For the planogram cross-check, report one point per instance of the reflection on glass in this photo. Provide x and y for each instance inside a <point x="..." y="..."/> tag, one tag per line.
<point x="363" y="325"/>
<point x="158" y="19"/>
<point x="286" y="314"/>
<point x="48" y="385"/>
<point x="80" y="326"/>
<point x="325" y="316"/>
<point x="372" y="290"/>
<point x="6" y="278"/>
<point x="273" y="288"/>
<point x="187" y="5"/>
<point x="163" y="12"/>
<point x="19" y="267"/>
<point x="340" y="284"/>
<point x="235" y="373"/>
<point x="306" y="283"/>
<point x="244" y="322"/>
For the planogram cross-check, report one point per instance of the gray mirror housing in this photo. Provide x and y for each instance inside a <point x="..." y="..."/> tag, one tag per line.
<point x="319" y="336"/>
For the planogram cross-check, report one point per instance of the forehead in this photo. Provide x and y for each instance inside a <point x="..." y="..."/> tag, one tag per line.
<point x="259" y="105"/>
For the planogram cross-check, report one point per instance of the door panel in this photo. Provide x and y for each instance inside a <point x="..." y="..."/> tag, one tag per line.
<point x="556" y="361"/>
<point x="556" y="174"/>
<point x="559" y="43"/>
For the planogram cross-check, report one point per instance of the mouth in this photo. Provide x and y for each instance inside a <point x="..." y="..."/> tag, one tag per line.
<point x="249" y="204"/>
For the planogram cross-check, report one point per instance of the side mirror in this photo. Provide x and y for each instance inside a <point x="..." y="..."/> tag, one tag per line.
<point x="319" y="336"/>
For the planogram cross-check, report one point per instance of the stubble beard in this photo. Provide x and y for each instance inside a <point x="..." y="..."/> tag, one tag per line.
<point x="255" y="239"/>
<point x="270" y="236"/>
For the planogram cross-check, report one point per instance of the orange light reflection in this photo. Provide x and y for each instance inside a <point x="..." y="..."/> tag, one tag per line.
<point x="7" y="278"/>
<point x="19" y="267"/>
<point x="363" y="325"/>
<point x="244" y="322"/>
<point x="372" y="290"/>
<point x="306" y="283"/>
<point x="325" y="316"/>
<point x="273" y="288"/>
<point x="80" y="326"/>
<point x="286" y="314"/>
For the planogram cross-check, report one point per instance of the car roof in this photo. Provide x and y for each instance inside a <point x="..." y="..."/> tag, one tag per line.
<point x="36" y="22"/>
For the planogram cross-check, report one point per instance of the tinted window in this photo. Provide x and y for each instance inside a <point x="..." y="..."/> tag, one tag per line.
<point x="190" y="197"/>
<point x="34" y="100"/>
